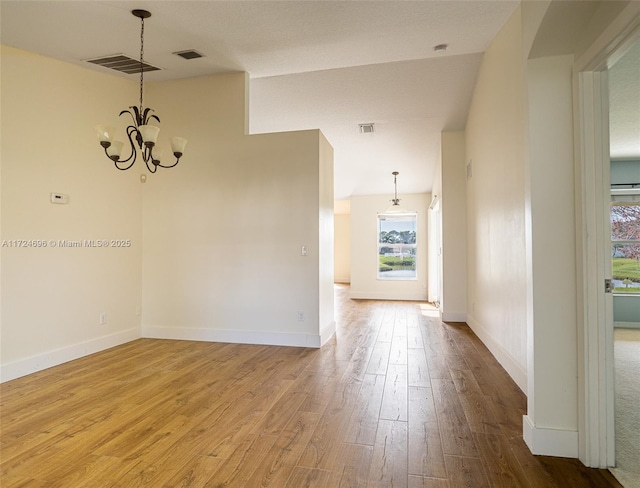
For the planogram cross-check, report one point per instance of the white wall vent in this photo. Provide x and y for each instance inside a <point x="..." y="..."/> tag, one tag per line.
<point x="365" y="128"/>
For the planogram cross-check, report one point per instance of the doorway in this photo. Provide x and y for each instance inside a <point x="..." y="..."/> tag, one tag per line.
<point x="624" y="137"/>
<point x="598" y="426"/>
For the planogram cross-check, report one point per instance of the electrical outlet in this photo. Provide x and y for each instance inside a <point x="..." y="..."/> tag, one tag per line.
<point x="103" y="318"/>
<point x="300" y="316"/>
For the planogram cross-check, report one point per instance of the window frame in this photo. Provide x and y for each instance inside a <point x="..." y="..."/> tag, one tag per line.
<point x="629" y="195"/>
<point x="406" y="216"/>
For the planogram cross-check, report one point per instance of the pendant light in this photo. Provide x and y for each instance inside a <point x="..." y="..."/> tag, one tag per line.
<point x="395" y="208"/>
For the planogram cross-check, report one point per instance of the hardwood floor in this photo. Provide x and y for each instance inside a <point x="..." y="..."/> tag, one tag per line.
<point x="396" y="399"/>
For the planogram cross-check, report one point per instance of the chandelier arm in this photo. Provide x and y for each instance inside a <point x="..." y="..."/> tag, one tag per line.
<point x="170" y="165"/>
<point x="152" y="168"/>
<point x="147" y="154"/>
<point x="131" y="132"/>
<point x="107" y="152"/>
<point x="147" y="116"/>
<point x="124" y="168"/>
<point x="135" y="115"/>
<point x="116" y="162"/>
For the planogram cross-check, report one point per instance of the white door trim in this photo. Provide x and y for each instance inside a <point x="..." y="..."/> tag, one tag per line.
<point x="597" y="335"/>
<point x="596" y="430"/>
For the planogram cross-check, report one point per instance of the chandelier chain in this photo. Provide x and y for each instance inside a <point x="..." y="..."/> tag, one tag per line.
<point x="395" y="185"/>
<point x="141" y="60"/>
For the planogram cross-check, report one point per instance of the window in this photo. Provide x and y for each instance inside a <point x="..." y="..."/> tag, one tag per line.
<point x="625" y="243"/>
<point x="397" y="247"/>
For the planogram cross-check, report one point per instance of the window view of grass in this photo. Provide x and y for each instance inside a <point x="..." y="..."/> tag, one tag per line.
<point x="405" y="261"/>
<point x="625" y="252"/>
<point x="626" y="275"/>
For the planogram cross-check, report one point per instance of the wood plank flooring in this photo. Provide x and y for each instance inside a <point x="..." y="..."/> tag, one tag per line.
<point x="396" y="399"/>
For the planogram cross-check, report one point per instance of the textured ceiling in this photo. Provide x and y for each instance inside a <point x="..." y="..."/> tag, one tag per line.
<point x="326" y="64"/>
<point x="624" y="105"/>
<point x="264" y="38"/>
<point x="313" y="64"/>
<point x="409" y="102"/>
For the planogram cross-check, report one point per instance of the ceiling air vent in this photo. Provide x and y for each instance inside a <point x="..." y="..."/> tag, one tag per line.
<point x="122" y="63"/>
<point x="365" y="128"/>
<point x="189" y="54"/>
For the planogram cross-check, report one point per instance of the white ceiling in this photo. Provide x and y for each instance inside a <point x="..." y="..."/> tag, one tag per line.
<point x="624" y="105"/>
<point x="409" y="102"/>
<point x="313" y="64"/>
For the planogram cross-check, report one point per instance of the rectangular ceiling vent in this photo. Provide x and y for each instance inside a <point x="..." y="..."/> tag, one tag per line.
<point x="366" y="128"/>
<point x="189" y="54"/>
<point x="122" y="63"/>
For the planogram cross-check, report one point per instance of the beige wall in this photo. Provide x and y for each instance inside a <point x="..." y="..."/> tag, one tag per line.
<point x="364" y="252"/>
<point x="552" y="389"/>
<point x="342" y="263"/>
<point x="223" y="231"/>
<point x="521" y="218"/>
<point x="326" y="239"/>
<point x="52" y="297"/>
<point x="215" y="242"/>
<point x="496" y="260"/>
<point x="453" y="208"/>
<point x="434" y="222"/>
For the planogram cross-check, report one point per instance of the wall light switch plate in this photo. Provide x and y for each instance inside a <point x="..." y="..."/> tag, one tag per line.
<point x="59" y="198"/>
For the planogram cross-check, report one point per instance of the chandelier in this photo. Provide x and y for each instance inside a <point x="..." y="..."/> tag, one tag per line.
<point x="140" y="132"/>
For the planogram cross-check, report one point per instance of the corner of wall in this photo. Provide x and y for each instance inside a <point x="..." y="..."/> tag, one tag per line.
<point x="198" y="285"/>
<point x="549" y="442"/>
<point x="511" y="366"/>
<point x="48" y="359"/>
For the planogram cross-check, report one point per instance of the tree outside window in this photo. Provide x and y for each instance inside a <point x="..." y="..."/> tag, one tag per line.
<point x="625" y="246"/>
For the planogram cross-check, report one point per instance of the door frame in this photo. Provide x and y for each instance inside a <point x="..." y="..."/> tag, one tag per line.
<point x="596" y="428"/>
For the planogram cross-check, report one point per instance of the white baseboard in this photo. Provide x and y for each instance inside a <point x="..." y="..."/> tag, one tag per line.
<point x="549" y="442"/>
<point x="345" y="280"/>
<point x="327" y="332"/>
<point x="517" y="373"/>
<point x="385" y="295"/>
<point x="33" y="364"/>
<point x="626" y="325"/>
<point x="454" y="317"/>
<point x="233" y="336"/>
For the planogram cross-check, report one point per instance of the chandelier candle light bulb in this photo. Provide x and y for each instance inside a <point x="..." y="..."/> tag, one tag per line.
<point x="140" y="133"/>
